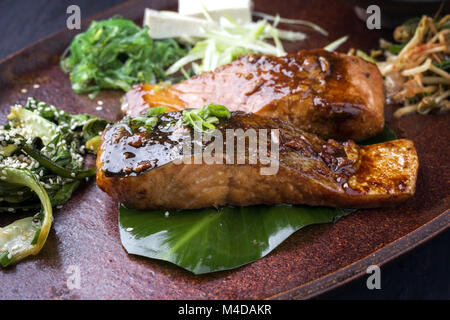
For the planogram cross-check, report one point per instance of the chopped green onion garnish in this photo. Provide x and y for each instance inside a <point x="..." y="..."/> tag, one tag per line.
<point x="151" y="122"/>
<point x="156" y="111"/>
<point x="364" y="56"/>
<point x="202" y="119"/>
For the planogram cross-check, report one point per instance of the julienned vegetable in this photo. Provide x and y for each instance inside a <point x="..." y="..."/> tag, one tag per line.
<point x="335" y="44"/>
<point x="416" y="69"/>
<point x="227" y="40"/>
<point x="115" y="54"/>
<point x="41" y="164"/>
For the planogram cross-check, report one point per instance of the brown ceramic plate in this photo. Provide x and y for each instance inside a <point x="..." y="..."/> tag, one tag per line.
<point x="313" y="260"/>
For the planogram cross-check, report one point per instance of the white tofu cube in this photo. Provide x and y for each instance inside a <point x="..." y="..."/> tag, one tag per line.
<point x="167" y="24"/>
<point x="239" y="10"/>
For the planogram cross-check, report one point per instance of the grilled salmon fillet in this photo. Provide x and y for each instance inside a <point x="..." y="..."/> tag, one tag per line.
<point x="147" y="170"/>
<point x="330" y="94"/>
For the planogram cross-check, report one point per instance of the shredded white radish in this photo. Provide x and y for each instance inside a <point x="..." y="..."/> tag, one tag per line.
<point x="228" y="40"/>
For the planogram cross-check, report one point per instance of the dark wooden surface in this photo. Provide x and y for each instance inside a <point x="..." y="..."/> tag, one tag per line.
<point x="422" y="273"/>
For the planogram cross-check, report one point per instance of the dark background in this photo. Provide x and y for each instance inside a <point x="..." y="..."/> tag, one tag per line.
<point x="423" y="273"/>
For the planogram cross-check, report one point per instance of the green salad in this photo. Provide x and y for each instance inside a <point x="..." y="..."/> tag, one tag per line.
<point x="42" y="153"/>
<point x="115" y="54"/>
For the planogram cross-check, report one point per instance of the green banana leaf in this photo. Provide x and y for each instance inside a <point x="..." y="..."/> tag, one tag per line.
<point x="208" y="240"/>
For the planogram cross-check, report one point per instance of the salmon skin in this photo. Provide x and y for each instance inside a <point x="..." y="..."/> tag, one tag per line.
<point x="333" y="95"/>
<point x="141" y="168"/>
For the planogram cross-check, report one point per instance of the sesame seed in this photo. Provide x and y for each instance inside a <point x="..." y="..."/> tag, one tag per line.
<point x="129" y="229"/>
<point x="24" y="90"/>
<point x="36" y="86"/>
<point x="100" y="102"/>
<point x="99" y="108"/>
